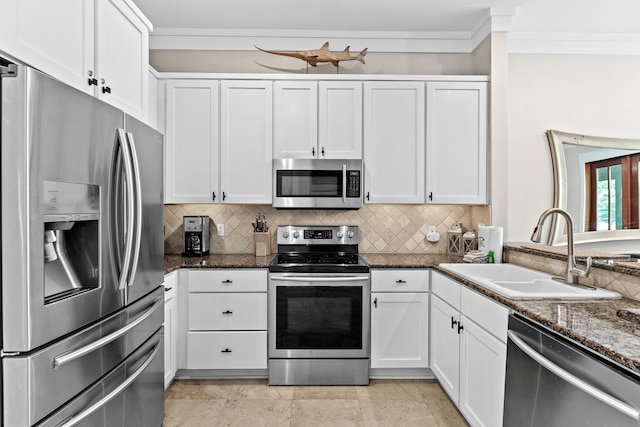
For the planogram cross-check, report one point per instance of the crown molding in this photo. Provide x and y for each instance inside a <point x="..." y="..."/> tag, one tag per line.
<point x="573" y="43"/>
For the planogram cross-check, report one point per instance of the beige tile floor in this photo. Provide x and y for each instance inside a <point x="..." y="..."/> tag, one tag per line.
<point x="254" y="403"/>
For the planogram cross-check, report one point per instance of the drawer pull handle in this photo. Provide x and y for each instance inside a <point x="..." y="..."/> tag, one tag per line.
<point x="401" y="281"/>
<point x="226" y="350"/>
<point x="227" y="312"/>
<point x="227" y="281"/>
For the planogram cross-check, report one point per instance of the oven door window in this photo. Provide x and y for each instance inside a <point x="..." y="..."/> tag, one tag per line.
<point x="319" y="317"/>
<point x="306" y="183"/>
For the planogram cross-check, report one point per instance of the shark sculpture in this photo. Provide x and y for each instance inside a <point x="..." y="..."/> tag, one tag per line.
<point x="323" y="54"/>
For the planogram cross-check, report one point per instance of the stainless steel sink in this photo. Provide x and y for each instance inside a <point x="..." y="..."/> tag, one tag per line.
<point x="516" y="282"/>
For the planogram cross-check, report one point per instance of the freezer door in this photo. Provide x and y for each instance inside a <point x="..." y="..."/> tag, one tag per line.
<point x="130" y="396"/>
<point x="56" y="156"/>
<point x="42" y="381"/>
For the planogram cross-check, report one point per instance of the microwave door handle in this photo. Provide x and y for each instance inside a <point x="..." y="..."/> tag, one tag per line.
<point x="344" y="183"/>
<point x="129" y="213"/>
<point x="137" y="208"/>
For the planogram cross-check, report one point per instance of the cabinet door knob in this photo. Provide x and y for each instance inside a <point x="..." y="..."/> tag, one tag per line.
<point x="322" y="152"/>
<point x="224" y="196"/>
<point x="106" y="89"/>
<point x="460" y="327"/>
<point x="92" y="81"/>
<point x="431" y="195"/>
<point x="367" y="195"/>
<point x="313" y="151"/>
<point x="453" y="322"/>
<point x="375" y="302"/>
<point x="214" y="196"/>
<point x="167" y="289"/>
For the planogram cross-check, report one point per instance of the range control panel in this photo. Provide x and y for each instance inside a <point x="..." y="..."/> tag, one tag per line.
<point x="317" y="235"/>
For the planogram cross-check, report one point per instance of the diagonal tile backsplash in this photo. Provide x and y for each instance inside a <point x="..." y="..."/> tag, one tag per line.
<point x="383" y="228"/>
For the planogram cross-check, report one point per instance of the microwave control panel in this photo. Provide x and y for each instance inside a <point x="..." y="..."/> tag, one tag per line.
<point x="353" y="183"/>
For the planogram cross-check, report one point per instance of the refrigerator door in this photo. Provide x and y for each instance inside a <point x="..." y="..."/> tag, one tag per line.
<point x="44" y="380"/>
<point x="57" y="153"/>
<point x="147" y="269"/>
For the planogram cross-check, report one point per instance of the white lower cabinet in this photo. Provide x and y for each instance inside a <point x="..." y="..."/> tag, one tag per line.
<point x="468" y="349"/>
<point x="226" y="319"/>
<point x="399" y="319"/>
<point x="170" y="327"/>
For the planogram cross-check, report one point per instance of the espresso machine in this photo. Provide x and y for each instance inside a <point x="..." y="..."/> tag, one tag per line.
<point x="196" y="235"/>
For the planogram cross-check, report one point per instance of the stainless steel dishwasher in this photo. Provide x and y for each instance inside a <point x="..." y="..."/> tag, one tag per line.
<point x="551" y="381"/>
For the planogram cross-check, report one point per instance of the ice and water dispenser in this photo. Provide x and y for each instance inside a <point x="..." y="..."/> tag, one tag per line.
<point x="71" y="239"/>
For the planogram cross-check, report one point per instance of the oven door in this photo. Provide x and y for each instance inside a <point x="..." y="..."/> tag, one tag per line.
<point x="319" y="316"/>
<point x="318" y="183"/>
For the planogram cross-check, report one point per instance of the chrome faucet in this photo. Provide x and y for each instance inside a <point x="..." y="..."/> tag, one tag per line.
<point x="572" y="273"/>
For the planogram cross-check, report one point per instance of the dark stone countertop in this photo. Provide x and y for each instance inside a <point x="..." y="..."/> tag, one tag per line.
<point x="603" y="326"/>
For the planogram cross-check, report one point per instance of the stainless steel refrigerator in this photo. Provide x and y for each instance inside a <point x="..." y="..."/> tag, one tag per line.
<point x="82" y="259"/>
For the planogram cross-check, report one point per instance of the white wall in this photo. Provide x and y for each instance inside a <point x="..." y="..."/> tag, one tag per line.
<point x="589" y="94"/>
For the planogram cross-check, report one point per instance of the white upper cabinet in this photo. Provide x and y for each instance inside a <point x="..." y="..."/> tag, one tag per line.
<point x="83" y="43"/>
<point x="56" y="37"/>
<point x="394" y="123"/>
<point x="317" y="120"/>
<point x="295" y="119"/>
<point x="456" y="143"/>
<point x="191" y="141"/>
<point x="122" y="57"/>
<point x="339" y="120"/>
<point x="246" y="141"/>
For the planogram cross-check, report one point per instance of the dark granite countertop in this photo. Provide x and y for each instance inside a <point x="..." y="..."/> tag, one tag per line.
<point x="604" y="326"/>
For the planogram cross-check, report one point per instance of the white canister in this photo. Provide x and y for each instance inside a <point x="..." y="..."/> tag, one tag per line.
<point x="490" y="239"/>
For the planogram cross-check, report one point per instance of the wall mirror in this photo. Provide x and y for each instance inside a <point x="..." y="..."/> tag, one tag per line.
<point x="596" y="181"/>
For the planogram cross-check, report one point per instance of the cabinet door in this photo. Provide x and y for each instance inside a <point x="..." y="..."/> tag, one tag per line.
<point x="445" y="346"/>
<point x="457" y="142"/>
<point x="482" y="371"/>
<point x="394" y="142"/>
<point x="170" y="340"/>
<point x="340" y="120"/>
<point x="122" y="57"/>
<point x="400" y="330"/>
<point x="56" y="37"/>
<point x="246" y="141"/>
<point x="191" y="141"/>
<point x="295" y="120"/>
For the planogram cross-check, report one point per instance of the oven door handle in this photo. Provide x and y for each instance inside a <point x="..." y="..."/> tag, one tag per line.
<point x="318" y="279"/>
<point x="573" y="380"/>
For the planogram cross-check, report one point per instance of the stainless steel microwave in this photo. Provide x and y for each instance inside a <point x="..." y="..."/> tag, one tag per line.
<point x="317" y="183"/>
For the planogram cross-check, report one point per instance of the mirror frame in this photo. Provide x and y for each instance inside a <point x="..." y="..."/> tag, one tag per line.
<point x="556" y="140"/>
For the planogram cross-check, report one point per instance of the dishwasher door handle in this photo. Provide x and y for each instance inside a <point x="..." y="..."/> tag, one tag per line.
<point x="611" y="401"/>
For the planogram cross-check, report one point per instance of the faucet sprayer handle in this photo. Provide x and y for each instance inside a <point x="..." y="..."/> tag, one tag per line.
<point x="583" y="273"/>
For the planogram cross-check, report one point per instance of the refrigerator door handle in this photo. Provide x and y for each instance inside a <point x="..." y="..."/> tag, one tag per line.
<point x="122" y="387"/>
<point x="137" y="207"/>
<point x="64" y="358"/>
<point x="129" y="212"/>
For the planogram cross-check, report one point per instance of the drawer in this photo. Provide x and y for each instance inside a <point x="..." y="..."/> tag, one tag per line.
<point x="228" y="280"/>
<point x="398" y="280"/>
<point x="225" y="312"/>
<point x="447" y="289"/>
<point x="170" y="286"/>
<point x="488" y="314"/>
<point x="227" y="350"/>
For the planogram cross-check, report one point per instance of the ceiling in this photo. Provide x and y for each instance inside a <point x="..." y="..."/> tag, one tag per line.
<point x="388" y="19"/>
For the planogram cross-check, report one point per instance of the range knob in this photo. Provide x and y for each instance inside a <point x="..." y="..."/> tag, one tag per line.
<point x="350" y="234"/>
<point x="296" y="234"/>
<point x="285" y="234"/>
<point x="339" y="234"/>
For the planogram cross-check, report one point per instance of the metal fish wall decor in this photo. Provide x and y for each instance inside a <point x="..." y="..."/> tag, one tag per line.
<point x="323" y="54"/>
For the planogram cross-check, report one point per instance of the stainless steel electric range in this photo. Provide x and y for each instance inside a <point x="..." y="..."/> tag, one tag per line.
<point x="319" y="308"/>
